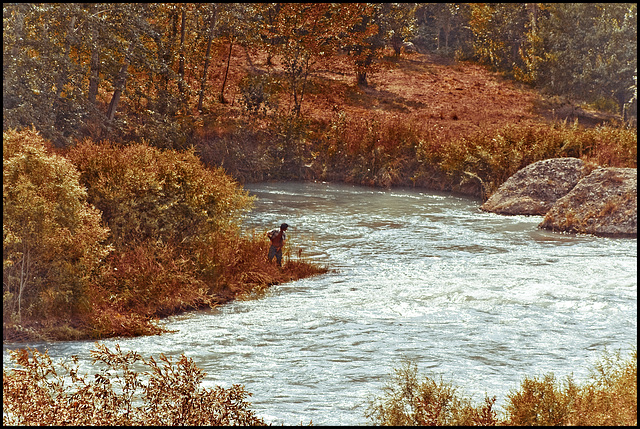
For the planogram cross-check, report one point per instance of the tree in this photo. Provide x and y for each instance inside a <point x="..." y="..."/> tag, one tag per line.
<point x="499" y="32"/>
<point x="52" y="238"/>
<point x="38" y="70"/>
<point x="366" y="41"/>
<point x="231" y="27"/>
<point x="590" y="50"/>
<point x="210" y="14"/>
<point x="398" y="23"/>
<point x="59" y="56"/>
<point x="444" y="27"/>
<point x="302" y="34"/>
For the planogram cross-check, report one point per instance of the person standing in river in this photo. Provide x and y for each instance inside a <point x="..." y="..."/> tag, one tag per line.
<point x="277" y="237"/>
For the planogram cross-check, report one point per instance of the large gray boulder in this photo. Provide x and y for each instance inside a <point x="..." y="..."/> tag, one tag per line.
<point x="604" y="203"/>
<point x="534" y="189"/>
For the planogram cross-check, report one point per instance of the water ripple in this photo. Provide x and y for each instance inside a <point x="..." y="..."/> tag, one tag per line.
<point x="481" y="299"/>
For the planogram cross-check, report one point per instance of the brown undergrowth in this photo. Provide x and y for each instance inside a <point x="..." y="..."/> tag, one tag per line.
<point x="146" y="282"/>
<point x="608" y="398"/>
<point x="423" y="121"/>
<point x="169" y="240"/>
<point x="127" y="389"/>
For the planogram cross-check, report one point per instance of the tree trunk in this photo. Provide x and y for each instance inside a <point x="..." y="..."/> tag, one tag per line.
<point x="361" y="78"/>
<point x="10" y="75"/>
<point x="119" y="86"/>
<point x="181" y="86"/>
<point x="226" y="73"/>
<point x="396" y="43"/>
<point x="94" y="72"/>
<point x="64" y="73"/>
<point x="24" y="278"/>
<point x="207" y="59"/>
<point x="162" y="83"/>
<point x="303" y="87"/>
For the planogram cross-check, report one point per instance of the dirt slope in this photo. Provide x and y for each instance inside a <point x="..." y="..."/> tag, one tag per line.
<point x="459" y="97"/>
<point x="456" y="98"/>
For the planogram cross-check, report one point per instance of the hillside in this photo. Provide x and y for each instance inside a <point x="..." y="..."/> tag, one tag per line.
<point x="422" y="120"/>
<point x="459" y="98"/>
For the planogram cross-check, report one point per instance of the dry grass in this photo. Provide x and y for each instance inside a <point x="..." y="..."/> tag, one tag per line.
<point x="424" y="121"/>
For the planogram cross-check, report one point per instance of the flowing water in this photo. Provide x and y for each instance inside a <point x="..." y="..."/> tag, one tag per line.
<point x="481" y="299"/>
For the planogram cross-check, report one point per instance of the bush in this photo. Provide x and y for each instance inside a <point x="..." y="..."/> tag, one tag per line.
<point x="142" y="282"/>
<point x="409" y="402"/>
<point x="608" y="398"/>
<point x="52" y="238"/>
<point x="149" y="194"/>
<point x="169" y="216"/>
<point x="541" y="402"/>
<point x="166" y="393"/>
<point x="496" y="156"/>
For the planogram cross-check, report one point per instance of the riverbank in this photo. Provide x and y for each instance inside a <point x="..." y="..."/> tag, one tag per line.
<point x="250" y="275"/>
<point x="103" y="241"/>
<point x="481" y="299"/>
<point x="424" y="121"/>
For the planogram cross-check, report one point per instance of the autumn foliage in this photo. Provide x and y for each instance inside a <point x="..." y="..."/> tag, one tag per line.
<point x="53" y="238"/>
<point x="128" y="388"/>
<point x="164" y="393"/>
<point x="608" y="398"/>
<point x="108" y="239"/>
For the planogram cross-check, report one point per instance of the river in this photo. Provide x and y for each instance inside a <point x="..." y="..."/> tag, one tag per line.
<point x="479" y="298"/>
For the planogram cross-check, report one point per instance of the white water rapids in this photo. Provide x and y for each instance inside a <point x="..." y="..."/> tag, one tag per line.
<point x="481" y="299"/>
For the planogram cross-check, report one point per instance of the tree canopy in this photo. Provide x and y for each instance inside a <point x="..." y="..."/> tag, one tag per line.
<point x="78" y="69"/>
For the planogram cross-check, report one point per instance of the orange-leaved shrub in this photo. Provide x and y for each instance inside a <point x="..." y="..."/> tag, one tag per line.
<point x="53" y="239"/>
<point x="126" y="389"/>
<point x="169" y="216"/>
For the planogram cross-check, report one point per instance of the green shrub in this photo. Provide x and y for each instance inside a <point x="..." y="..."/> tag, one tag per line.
<point x="150" y="194"/>
<point x="164" y="394"/>
<point x="52" y="238"/>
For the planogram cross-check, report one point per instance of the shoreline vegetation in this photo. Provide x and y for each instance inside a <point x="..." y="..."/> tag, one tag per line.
<point x="113" y="220"/>
<point x="106" y="240"/>
<point x="129" y="129"/>
<point x="130" y="389"/>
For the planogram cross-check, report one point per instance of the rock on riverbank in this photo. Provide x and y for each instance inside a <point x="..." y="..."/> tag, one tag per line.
<point x="534" y="189"/>
<point x="572" y="199"/>
<point x="604" y="203"/>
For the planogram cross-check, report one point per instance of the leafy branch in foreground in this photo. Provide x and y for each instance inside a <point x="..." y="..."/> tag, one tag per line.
<point x="167" y="393"/>
<point x="608" y="398"/>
